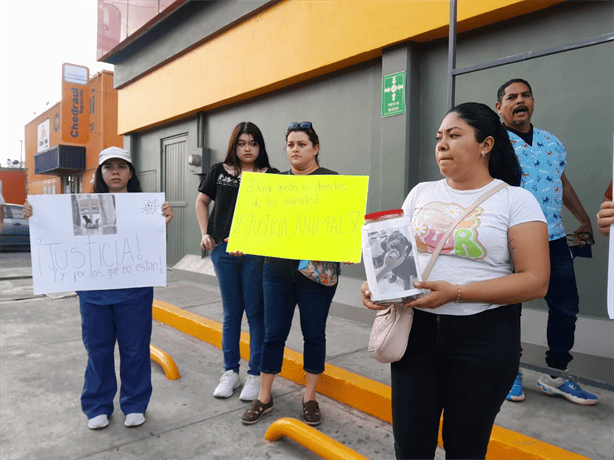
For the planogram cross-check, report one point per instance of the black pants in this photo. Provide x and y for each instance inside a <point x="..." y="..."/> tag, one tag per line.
<point x="563" y="306"/>
<point x="461" y="365"/>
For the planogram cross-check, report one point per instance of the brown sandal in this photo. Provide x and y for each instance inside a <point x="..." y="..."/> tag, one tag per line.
<point x="311" y="413"/>
<point x="256" y="411"/>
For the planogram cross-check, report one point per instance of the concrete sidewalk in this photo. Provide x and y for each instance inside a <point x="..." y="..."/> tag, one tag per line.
<point x="42" y="361"/>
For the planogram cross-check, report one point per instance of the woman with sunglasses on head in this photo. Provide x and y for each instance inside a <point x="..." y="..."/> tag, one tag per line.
<point x="463" y="350"/>
<point x="239" y="275"/>
<point x="284" y="288"/>
<point x="116" y="315"/>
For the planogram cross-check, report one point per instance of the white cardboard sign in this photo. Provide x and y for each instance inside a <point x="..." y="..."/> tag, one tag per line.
<point x="84" y="242"/>
<point x="610" y="291"/>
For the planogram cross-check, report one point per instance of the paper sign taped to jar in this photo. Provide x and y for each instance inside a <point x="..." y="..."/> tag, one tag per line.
<point x="90" y="241"/>
<point x="300" y="217"/>
<point x="390" y="263"/>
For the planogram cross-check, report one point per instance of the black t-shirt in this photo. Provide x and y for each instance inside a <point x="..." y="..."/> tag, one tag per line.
<point x="291" y="265"/>
<point x="223" y="188"/>
<point x="527" y="137"/>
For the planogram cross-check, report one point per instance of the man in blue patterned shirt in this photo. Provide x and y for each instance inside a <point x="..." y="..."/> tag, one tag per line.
<point x="542" y="158"/>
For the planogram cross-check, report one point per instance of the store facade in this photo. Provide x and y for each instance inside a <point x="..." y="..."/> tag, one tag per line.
<point x="195" y="69"/>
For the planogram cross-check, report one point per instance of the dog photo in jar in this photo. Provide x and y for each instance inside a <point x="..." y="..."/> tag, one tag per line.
<point x="392" y="260"/>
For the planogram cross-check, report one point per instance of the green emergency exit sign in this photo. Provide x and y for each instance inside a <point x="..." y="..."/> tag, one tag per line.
<point x="393" y="94"/>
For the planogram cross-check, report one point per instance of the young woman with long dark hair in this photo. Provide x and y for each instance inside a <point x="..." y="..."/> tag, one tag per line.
<point x="239" y="275"/>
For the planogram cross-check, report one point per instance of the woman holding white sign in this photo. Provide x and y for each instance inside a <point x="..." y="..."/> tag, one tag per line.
<point x="287" y="283"/>
<point x="463" y="351"/>
<point x="239" y="275"/>
<point x="116" y="315"/>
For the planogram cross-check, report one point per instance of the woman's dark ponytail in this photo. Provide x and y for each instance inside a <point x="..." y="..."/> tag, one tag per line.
<point x="503" y="163"/>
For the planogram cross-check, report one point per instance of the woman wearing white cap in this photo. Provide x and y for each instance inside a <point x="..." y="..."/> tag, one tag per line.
<point x="116" y="315"/>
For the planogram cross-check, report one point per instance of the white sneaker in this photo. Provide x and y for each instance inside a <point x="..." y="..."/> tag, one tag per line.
<point x="228" y="383"/>
<point x="98" y="422"/>
<point x="135" y="419"/>
<point x="251" y="388"/>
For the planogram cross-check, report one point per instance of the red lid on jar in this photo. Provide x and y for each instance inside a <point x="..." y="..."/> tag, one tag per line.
<point x="377" y="215"/>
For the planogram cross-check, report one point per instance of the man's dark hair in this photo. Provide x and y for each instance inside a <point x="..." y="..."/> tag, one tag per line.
<point x="501" y="90"/>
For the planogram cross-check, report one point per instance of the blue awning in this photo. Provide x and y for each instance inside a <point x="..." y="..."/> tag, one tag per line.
<point x="59" y="160"/>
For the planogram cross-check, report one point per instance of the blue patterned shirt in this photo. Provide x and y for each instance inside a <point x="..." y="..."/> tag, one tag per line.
<point x="542" y="167"/>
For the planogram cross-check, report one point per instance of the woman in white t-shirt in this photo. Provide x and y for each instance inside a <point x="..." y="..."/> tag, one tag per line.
<point x="464" y="347"/>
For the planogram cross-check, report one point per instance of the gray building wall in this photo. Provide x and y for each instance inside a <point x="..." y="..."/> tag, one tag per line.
<point x="340" y="106"/>
<point x="573" y="100"/>
<point x="148" y="150"/>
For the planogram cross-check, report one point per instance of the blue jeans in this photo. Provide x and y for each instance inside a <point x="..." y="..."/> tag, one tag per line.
<point x="240" y="281"/>
<point x="128" y="323"/>
<point x="282" y="292"/>
<point x="563" y="306"/>
<point x="461" y="365"/>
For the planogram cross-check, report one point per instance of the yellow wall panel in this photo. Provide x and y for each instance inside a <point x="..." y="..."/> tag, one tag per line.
<point x="290" y="42"/>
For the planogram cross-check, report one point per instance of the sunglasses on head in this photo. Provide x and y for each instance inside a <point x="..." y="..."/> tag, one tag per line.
<point x="302" y="124"/>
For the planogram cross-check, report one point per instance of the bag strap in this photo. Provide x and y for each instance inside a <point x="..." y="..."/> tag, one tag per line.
<point x="475" y="204"/>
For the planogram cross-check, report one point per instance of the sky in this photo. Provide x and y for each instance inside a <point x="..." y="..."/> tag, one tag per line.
<point x="36" y="38"/>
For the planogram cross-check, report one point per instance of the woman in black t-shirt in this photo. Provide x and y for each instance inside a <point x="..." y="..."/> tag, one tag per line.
<point x="240" y="276"/>
<point x="285" y="287"/>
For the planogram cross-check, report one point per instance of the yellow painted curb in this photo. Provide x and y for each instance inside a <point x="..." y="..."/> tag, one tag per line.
<point x="325" y="446"/>
<point x="509" y="444"/>
<point x="166" y="361"/>
<point x="355" y="390"/>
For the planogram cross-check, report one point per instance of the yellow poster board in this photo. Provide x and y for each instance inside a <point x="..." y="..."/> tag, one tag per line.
<point x="300" y="217"/>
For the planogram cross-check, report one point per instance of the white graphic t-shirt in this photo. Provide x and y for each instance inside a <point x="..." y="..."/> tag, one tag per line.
<point x="478" y="248"/>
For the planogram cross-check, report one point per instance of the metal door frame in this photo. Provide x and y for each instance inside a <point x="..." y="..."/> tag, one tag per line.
<point x="179" y="220"/>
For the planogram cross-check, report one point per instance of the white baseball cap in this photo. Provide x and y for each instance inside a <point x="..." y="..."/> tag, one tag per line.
<point x="114" y="152"/>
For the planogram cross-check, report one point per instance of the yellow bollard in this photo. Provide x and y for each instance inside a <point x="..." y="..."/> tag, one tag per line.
<point x="164" y="360"/>
<point x="311" y="438"/>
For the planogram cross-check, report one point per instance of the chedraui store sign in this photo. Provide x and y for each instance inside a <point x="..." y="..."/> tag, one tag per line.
<point x="75" y="109"/>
